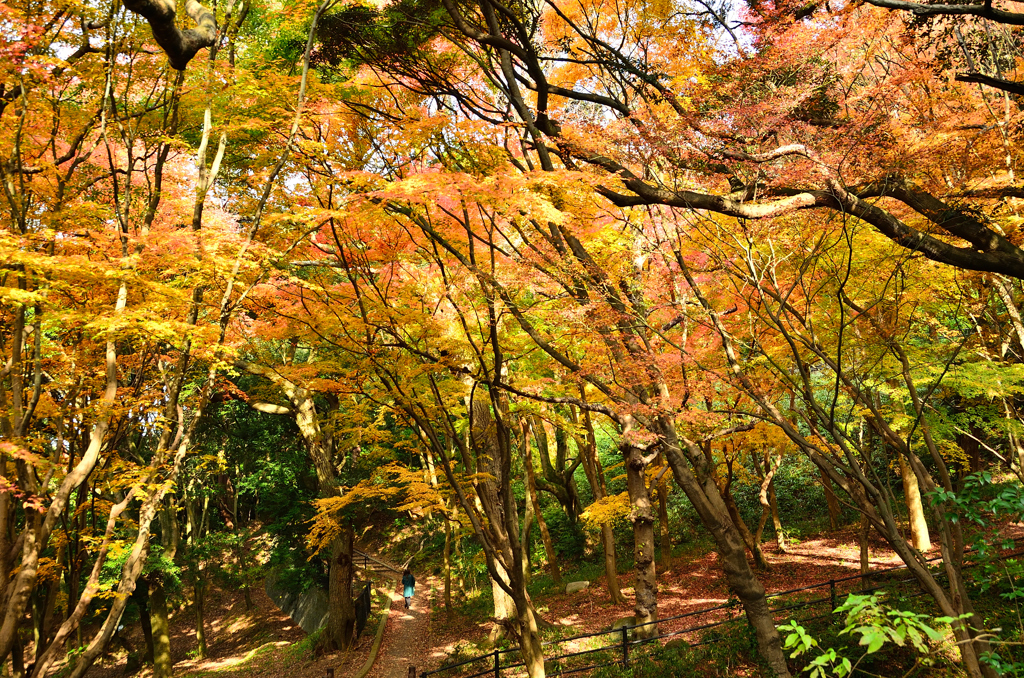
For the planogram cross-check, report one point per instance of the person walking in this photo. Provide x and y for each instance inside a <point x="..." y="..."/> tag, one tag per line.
<point x="409" y="584"/>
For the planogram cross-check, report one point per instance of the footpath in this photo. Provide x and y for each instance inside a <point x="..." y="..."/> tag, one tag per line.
<point x="405" y="637"/>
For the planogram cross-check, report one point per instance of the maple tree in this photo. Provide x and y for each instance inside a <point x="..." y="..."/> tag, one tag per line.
<point x="854" y="360"/>
<point x="500" y="226"/>
<point x="123" y="352"/>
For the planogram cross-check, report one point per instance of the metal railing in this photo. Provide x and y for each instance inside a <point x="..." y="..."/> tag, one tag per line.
<point x="362" y="605"/>
<point x="366" y="559"/>
<point x="618" y="652"/>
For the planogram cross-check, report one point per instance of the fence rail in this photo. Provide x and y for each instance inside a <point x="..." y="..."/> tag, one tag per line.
<point x="368" y="562"/>
<point x="362" y="605"/>
<point x="628" y="638"/>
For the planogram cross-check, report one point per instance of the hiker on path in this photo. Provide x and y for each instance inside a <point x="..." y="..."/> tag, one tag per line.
<point x="409" y="583"/>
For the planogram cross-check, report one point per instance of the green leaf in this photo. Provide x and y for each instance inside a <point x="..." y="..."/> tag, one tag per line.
<point x="874" y="638"/>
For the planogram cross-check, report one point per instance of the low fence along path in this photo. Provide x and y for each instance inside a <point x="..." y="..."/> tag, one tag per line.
<point x="614" y="647"/>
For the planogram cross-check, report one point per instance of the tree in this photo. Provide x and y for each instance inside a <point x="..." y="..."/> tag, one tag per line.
<point x="120" y="363"/>
<point x="850" y="364"/>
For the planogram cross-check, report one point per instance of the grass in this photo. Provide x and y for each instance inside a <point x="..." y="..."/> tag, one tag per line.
<point x="242" y="666"/>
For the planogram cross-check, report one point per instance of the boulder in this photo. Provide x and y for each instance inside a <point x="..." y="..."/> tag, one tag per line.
<point x="625" y="621"/>
<point x="679" y="644"/>
<point x="574" y="586"/>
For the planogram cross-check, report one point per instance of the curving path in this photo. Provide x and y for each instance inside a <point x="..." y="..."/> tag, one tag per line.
<point x="405" y="637"/>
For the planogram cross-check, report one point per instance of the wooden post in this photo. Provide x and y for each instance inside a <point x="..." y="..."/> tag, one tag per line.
<point x="497" y="665"/>
<point x="625" y="647"/>
<point x="412" y="672"/>
<point x="832" y="592"/>
<point x="330" y="673"/>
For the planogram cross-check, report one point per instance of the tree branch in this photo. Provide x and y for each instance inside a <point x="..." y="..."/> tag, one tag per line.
<point x="984" y="11"/>
<point x="998" y="83"/>
<point x="179" y="45"/>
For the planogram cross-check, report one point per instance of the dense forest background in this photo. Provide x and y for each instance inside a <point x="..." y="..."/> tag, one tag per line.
<point x="509" y="290"/>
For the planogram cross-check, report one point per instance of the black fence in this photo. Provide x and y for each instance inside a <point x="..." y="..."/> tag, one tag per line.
<point x="362" y="604"/>
<point x="694" y="625"/>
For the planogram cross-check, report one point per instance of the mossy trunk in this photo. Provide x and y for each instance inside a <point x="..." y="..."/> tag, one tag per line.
<point x="645" y="575"/>
<point x="199" y="591"/>
<point x="162" y="665"/>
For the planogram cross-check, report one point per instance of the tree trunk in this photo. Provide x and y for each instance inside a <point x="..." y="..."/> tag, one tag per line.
<point x="710" y="507"/>
<point x="341" y="620"/>
<point x="17" y="656"/>
<point x="665" y="537"/>
<point x="141" y="599"/>
<point x="915" y="508"/>
<point x="319" y="444"/>
<point x="834" y="512"/>
<point x="199" y="589"/>
<point x="780" y="536"/>
<point x="734" y="513"/>
<point x="531" y="489"/>
<point x="447" y="567"/>
<point x="645" y="581"/>
<point x="504" y="607"/>
<point x="162" y="665"/>
<point x="595" y="476"/>
<point x="744" y="531"/>
<point x="862" y="539"/>
<point x="766" y="474"/>
<point x="530" y="645"/>
<point x="611" y="569"/>
<point x="524" y="539"/>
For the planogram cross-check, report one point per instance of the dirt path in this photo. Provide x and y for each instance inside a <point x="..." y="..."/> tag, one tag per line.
<point x="406" y="636"/>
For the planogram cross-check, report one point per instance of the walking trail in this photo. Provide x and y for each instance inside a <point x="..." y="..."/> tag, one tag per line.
<point x="406" y="636"/>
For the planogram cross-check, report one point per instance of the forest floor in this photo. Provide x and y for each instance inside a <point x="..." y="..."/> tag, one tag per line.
<point x="262" y="642"/>
<point x="265" y="642"/>
<point x="692" y="581"/>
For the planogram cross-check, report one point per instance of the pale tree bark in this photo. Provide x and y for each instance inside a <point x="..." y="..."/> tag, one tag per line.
<point x="915" y="508"/>
<point x="35" y="537"/>
<point x="766" y="497"/>
<point x="49" y="655"/>
<point x="773" y="504"/>
<point x="504" y="606"/>
<point x="140" y="548"/>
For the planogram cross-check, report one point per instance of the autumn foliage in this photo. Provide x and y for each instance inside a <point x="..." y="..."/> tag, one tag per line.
<point x="474" y="237"/>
